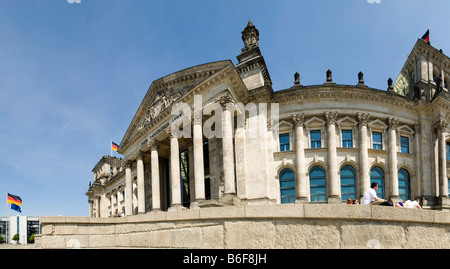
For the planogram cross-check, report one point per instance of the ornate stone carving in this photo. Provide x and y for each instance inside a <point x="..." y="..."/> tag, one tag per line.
<point x="296" y="78"/>
<point x="250" y="36"/>
<point x="441" y="125"/>
<point x="389" y="82"/>
<point x="329" y="76"/>
<point x="363" y="118"/>
<point x="153" y="144"/>
<point x="360" y="78"/>
<point x="331" y="117"/>
<point x="224" y="100"/>
<point x="298" y="119"/>
<point x="393" y="123"/>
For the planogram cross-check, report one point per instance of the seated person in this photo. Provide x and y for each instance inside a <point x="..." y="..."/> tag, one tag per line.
<point x="370" y="196"/>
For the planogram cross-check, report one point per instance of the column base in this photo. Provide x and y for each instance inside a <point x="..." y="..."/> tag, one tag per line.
<point x="444" y="203"/>
<point x="301" y="200"/>
<point x="228" y="199"/>
<point x="334" y="200"/>
<point x="177" y="207"/>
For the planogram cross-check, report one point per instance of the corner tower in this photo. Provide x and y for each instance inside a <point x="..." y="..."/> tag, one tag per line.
<point x="425" y="74"/>
<point x="252" y="67"/>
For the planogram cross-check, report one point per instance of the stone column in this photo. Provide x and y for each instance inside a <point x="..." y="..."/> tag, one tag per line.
<point x="363" y="152"/>
<point x="441" y="126"/>
<point x="156" y="198"/>
<point x="393" y="158"/>
<point x="227" y="148"/>
<point x="334" y="193"/>
<point x="91" y="208"/>
<point x="199" y="174"/>
<point x="301" y="191"/>
<point x="128" y="188"/>
<point x="140" y="182"/>
<point x="175" y="173"/>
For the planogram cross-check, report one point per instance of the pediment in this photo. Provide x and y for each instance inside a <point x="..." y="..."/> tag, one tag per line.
<point x="166" y="91"/>
<point x="285" y="125"/>
<point x="377" y="124"/>
<point x="347" y="121"/>
<point x="315" y="122"/>
<point x="405" y="129"/>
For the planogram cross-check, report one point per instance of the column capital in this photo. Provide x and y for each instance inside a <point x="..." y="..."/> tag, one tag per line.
<point x="331" y="117"/>
<point x="225" y="100"/>
<point x="393" y="123"/>
<point x="441" y="125"/>
<point x="363" y="118"/>
<point x="153" y="144"/>
<point x="127" y="163"/>
<point x="298" y="119"/>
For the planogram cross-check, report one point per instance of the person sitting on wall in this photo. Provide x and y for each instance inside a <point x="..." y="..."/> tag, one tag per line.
<point x="370" y="196"/>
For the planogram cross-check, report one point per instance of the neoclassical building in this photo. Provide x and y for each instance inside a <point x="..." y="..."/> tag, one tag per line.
<point x="217" y="134"/>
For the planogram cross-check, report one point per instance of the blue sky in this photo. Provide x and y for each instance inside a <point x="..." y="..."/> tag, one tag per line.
<point x="73" y="75"/>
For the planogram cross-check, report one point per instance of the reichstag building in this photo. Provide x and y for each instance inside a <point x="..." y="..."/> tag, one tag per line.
<point x="219" y="135"/>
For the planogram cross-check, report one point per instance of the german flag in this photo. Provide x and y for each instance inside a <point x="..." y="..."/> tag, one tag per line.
<point x="114" y="146"/>
<point x="426" y="36"/>
<point x="14" y="199"/>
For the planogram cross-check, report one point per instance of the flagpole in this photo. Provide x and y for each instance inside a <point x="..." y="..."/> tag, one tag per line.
<point x="7" y="220"/>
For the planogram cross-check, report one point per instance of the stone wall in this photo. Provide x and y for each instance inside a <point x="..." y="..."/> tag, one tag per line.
<point x="330" y="226"/>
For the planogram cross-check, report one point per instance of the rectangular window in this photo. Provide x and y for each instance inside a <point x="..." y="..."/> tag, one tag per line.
<point x="448" y="151"/>
<point x="347" y="141"/>
<point x="404" y="144"/>
<point x="377" y="140"/>
<point x="316" y="141"/>
<point x="284" y="142"/>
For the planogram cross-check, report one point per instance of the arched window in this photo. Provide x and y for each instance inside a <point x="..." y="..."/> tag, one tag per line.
<point x="377" y="175"/>
<point x="317" y="184"/>
<point x="404" y="189"/>
<point x="348" y="178"/>
<point x="287" y="186"/>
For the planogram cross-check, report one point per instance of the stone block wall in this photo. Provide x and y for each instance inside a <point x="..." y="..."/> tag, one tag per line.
<point x="303" y="226"/>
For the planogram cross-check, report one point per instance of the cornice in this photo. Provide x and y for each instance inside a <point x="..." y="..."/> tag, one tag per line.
<point x="352" y="93"/>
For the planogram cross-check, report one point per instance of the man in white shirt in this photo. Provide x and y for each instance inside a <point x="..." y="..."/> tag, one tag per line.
<point x="370" y="195"/>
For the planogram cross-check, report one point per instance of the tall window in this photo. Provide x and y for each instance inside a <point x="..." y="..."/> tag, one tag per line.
<point x="404" y="144"/>
<point x="287" y="186"/>
<point x="316" y="141"/>
<point x="448" y="151"/>
<point x="377" y="175"/>
<point x="317" y="184"/>
<point x="377" y="140"/>
<point x="347" y="141"/>
<point x="348" y="188"/>
<point x="404" y="190"/>
<point x="284" y="142"/>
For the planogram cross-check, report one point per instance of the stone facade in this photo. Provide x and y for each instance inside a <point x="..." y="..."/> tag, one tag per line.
<point x="350" y="135"/>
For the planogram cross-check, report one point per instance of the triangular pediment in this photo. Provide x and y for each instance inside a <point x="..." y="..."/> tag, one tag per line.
<point x="378" y="124"/>
<point x="405" y="129"/>
<point x="165" y="92"/>
<point x="285" y="125"/>
<point x="347" y="121"/>
<point x="315" y="122"/>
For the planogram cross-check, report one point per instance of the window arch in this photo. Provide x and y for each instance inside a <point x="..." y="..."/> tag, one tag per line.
<point x="317" y="184"/>
<point x="404" y="187"/>
<point x="348" y="179"/>
<point x="287" y="186"/>
<point x="377" y="175"/>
